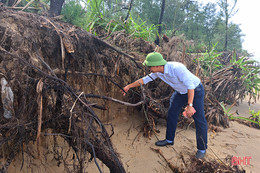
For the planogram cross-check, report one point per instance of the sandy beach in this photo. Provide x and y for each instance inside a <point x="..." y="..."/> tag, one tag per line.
<point x="236" y="141"/>
<point x="137" y="154"/>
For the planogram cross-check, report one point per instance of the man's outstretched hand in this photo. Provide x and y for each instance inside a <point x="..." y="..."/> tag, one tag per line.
<point x="125" y="90"/>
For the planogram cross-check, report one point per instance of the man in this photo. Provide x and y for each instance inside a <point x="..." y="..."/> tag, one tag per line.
<point x="188" y="92"/>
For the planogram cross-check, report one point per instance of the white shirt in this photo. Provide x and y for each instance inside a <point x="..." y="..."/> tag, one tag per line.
<point x="177" y="76"/>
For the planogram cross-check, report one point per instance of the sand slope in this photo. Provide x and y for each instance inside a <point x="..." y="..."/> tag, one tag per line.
<point x="239" y="141"/>
<point x="137" y="156"/>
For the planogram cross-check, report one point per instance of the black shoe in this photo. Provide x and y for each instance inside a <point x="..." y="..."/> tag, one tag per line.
<point x="200" y="155"/>
<point x="163" y="143"/>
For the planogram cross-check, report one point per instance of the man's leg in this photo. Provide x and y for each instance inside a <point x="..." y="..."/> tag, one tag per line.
<point x="177" y="101"/>
<point x="200" y="120"/>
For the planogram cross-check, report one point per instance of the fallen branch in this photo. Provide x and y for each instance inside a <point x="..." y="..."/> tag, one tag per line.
<point x="114" y="100"/>
<point x="173" y="168"/>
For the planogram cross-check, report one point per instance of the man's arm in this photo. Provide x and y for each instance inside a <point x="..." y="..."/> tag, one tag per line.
<point x="132" y="85"/>
<point x="190" y="96"/>
<point x="190" y="101"/>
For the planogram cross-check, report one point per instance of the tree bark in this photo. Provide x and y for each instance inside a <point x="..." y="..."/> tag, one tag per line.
<point x="129" y="10"/>
<point x="55" y="7"/>
<point x="157" y="41"/>
<point x="228" y="13"/>
<point x="226" y="34"/>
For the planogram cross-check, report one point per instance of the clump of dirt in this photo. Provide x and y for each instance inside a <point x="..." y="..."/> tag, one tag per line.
<point x="197" y="165"/>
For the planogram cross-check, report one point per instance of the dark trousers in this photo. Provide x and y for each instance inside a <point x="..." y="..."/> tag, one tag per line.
<point x="177" y="101"/>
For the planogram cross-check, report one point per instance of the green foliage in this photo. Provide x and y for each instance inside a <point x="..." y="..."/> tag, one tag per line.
<point x="74" y="13"/>
<point x="199" y="23"/>
<point x="140" y="29"/>
<point x="100" y="22"/>
<point x="148" y="10"/>
<point x="244" y="118"/>
<point x="234" y="37"/>
<point x="209" y="61"/>
<point x="254" y="118"/>
<point x="94" y="18"/>
<point x="226" y="110"/>
<point x="199" y="47"/>
<point x="135" y="28"/>
<point x="250" y="74"/>
<point x="95" y="8"/>
<point x="247" y="70"/>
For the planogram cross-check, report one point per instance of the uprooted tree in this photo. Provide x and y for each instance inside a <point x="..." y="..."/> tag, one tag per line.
<point x="30" y="47"/>
<point x="60" y="77"/>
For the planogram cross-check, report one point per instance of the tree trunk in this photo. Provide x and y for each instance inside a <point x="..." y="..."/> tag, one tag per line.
<point x="226" y="34"/>
<point x="157" y="41"/>
<point x="55" y="7"/>
<point x="129" y="10"/>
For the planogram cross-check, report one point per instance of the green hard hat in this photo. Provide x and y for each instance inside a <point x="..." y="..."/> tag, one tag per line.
<point x="154" y="59"/>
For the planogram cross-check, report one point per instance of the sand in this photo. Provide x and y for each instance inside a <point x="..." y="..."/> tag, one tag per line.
<point x="238" y="140"/>
<point x="137" y="155"/>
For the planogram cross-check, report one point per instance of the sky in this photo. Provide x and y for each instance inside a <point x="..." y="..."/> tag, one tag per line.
<point x="247" y="18"/>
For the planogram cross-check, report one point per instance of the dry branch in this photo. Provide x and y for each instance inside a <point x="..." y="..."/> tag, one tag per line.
<point x="114" y="100"/>
<point x="173" y="168"/>
<point x="39" y="101"/>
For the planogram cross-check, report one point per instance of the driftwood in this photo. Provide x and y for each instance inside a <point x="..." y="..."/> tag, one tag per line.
<point x="173" y="168"/>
